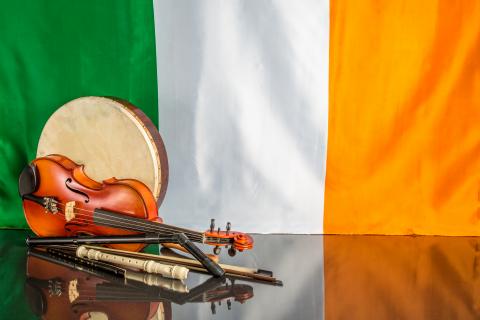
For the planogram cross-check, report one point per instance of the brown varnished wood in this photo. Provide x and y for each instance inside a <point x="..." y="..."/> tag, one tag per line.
<point x="77" y="170"/>
<point x="157" y="140"/>
<point x="126" y="196"/>
<point x="142" y="189"/>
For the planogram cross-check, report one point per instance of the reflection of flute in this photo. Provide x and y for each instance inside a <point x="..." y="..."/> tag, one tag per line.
<point x="156" y="281"/>
<point x="150" y="266"/>
<point x="106" y="270"/>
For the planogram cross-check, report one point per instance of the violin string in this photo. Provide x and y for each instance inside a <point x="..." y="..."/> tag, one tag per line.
<point x="94" y="296"/>
<point x="126" y="222"/>
<point x="172" y="227"/>
<point x="193" y="237"/>
<point x="161" y="226"/>
<point x="120" y="225"/>
<point x="91" y="223"/>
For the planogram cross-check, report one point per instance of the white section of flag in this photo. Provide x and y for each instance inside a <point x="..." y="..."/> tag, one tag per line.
<point x="243" y="111"/>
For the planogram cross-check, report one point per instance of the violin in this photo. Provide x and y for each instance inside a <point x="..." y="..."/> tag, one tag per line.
<point x="59" y="199"/>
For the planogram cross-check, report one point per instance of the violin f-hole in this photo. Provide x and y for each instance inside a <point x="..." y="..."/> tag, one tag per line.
<point x="69" y="180"/>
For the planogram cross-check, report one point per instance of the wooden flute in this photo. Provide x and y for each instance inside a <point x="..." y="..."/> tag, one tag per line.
<point x="149" y="266"/>
<point x="263" y="276"/>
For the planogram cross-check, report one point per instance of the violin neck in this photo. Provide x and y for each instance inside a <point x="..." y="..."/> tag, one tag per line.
<point x="112" y="219"/>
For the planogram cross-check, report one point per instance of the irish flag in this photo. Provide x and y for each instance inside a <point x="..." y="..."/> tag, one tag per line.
<point x="309" y="116"/>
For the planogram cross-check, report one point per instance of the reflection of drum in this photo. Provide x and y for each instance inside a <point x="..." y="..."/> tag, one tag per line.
<point x="112" y="138"/>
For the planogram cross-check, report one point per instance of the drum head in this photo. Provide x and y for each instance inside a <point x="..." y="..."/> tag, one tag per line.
<point x="112" y="138"/>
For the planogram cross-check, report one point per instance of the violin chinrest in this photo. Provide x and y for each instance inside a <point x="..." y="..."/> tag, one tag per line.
<point x="28" y="181"/>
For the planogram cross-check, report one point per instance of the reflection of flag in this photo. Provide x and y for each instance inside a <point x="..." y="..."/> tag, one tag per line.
<point x="401" y="277"/>
<point x="404" y="126"/>
<point x="248" y="93"/>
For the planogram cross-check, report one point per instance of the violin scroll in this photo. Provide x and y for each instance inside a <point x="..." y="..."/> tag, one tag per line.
<point x="237" y="240"/>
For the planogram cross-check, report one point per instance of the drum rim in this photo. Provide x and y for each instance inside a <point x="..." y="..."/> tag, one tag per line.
<point x="157" y="140"/>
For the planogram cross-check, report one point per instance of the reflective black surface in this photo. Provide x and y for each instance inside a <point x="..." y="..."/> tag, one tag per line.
<point x="325" y="277"/>
<point x="30" y="285"/>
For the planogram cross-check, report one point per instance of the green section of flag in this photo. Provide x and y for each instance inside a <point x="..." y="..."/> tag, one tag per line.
<point x="53" y="51"/>
<point x="15" y="302"/>
<point x="19" y="299"/>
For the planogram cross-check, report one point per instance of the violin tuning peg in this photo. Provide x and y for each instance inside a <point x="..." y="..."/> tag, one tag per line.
<point x="216" y="250"/>
<point x="229" y="304"/>
<point x="229" y="225"/>
<point x="232" y="252"/>
<point x="212" y="225"/>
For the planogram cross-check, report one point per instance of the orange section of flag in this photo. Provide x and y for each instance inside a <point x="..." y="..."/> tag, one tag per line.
<point x="404" y="118"/>
<point x="395" y="277"/>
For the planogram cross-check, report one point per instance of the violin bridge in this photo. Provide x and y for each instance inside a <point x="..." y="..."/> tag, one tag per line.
<point x="69" y="211"/>
<point x="72" y="290"/>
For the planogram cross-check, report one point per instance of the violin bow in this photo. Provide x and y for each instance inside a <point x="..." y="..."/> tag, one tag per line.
<point x="256" y="275"/>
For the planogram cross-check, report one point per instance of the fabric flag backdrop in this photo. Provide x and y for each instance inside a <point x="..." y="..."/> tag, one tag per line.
<point x="54" y="51"/>
<point x="243" y="106"/>
<point x="306" y="117"/>
<point x="404" y="105"/>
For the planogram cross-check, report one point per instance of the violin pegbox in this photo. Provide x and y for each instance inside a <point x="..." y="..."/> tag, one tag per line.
<point x="236" y="240"/>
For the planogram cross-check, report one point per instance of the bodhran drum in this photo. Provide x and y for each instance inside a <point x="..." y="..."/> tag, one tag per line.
<point x="111" y="138"/>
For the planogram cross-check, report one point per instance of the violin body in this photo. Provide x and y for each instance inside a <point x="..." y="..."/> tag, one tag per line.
<point x="65" y="181"/>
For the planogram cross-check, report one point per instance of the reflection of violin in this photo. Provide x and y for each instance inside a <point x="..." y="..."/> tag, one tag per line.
<point x="58" y="292"/>
<point x="239" y="292"/>
<point x="59" y="199"/>
<point x="59" y="289"/>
